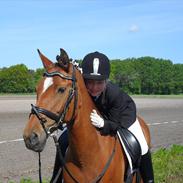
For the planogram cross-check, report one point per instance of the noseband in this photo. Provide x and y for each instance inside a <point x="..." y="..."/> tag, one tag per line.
<point x="58" y="118"/>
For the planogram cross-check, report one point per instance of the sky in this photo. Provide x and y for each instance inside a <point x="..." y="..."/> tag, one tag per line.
<point x="118" y="28"/>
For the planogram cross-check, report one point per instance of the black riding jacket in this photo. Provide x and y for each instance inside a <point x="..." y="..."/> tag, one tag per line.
<point x="117" y="108"/>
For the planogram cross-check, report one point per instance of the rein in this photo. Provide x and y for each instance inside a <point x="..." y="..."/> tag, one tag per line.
<point x="99" y="177"/>
<point x="96" y="180"/>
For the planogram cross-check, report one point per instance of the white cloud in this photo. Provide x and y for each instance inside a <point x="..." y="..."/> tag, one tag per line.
<point x="134" y="28"/>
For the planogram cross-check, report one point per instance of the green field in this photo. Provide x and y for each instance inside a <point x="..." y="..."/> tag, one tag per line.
<point x="168" y="166"/>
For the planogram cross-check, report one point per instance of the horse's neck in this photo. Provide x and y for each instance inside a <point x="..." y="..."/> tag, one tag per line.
<point x="82" y="134"/>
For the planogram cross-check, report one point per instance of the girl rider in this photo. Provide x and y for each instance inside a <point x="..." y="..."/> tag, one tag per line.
<point x="117" y="108"/>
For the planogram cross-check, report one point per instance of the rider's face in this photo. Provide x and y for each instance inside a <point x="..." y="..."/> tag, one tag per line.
<point x="95" y="87"/>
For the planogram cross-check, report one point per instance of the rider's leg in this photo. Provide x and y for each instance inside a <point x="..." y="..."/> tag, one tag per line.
<point x="63" y="142"/>
<point x="146" y="168"/>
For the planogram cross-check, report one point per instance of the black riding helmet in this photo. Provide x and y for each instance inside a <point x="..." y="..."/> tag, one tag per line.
<point x="95" y="66"/>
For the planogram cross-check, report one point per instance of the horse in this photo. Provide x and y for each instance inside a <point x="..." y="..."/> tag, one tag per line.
<point x="62" y="98"/>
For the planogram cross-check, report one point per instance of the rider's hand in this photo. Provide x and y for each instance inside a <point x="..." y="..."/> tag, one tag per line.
<point x="96" y="120"/>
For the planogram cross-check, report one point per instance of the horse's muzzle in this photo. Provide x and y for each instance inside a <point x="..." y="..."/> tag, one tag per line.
<point x="34" y="142"/>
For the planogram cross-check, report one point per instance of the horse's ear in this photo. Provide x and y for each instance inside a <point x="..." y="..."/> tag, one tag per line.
<point x="46" y="62"/>
<point x="63" y="59"/>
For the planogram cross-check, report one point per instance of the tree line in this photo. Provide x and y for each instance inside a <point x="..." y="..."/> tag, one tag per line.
<point x="144" y="75"/>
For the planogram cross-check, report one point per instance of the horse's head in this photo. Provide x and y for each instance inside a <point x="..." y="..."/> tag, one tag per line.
<point x="55" y="104"/>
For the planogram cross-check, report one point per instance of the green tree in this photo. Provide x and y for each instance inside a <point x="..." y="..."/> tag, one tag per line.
<point x="124" y="74"/>
<point x="178" y="78"/>
<point x="16" y="79"/>
<point x="38" y="75"/>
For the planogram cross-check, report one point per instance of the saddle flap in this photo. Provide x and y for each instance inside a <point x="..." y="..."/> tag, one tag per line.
<point x="132" y="145"/>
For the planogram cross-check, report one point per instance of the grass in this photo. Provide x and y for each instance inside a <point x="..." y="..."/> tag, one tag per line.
<point x="167" y="163"/>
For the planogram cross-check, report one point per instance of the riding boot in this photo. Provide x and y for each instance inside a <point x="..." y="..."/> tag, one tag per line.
<point x="146" y="168"/>
<point x="57" y="171"/>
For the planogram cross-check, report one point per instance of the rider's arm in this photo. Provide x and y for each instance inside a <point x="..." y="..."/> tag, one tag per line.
<point x="121" y="111"/>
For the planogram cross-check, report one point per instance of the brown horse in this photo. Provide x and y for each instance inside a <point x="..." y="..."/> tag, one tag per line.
<point x="63" y="98"/>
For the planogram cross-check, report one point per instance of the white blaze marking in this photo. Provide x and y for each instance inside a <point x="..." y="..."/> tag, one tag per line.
<point x="47" y="83"/>
<point x="95" y="66"/>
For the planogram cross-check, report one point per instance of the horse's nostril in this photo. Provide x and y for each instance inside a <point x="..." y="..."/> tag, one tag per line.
<point x="34" y="142"/>
<point x="34" y="139"/>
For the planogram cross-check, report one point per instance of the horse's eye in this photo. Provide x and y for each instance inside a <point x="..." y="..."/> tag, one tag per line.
<point x="61" y="90"/>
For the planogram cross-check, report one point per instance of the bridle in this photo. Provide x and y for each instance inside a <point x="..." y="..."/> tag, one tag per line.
<point x="59" y="119"/>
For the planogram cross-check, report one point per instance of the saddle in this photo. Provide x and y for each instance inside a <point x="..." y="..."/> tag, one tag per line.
<point x="132" y="150"/>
